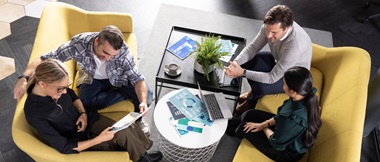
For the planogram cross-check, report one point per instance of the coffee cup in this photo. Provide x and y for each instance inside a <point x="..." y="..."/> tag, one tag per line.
<point x="172" y="68"/>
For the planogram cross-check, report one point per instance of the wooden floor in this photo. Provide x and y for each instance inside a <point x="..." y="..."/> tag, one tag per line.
<point x="338" y="16"/>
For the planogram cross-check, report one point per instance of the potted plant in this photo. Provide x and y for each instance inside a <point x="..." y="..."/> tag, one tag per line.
<point x="208" y="55"/>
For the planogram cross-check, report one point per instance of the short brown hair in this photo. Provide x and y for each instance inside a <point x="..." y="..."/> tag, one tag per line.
<point x="279" y="14"/>
<point x="113" y="35"/>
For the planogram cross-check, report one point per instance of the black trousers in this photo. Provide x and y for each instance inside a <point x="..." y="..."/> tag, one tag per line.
<point x="259" y="139"/>
<point x="263" y="62"/>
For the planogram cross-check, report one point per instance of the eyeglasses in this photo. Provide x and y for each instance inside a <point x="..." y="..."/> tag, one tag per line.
<point x="61" y="89"/>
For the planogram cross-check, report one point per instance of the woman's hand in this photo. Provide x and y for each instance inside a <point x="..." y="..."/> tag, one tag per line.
<point x="106" y="135"/>
<point x="82" y="122"/>
<point x="254" y="127"/>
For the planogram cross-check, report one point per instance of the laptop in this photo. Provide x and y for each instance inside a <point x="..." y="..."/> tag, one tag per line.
<point x="215" y="104"/>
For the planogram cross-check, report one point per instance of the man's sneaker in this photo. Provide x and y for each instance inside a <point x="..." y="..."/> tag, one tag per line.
<point x="151" y="157"/>
<point x="243" y="97"/>
<point x="144" y="126"/>
<point x="240" y="109"/>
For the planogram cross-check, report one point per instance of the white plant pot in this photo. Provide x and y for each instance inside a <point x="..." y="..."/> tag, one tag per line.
<point x="199" y="68"/>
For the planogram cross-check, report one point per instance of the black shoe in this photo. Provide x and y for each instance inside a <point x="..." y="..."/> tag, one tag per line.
<point x="152" y="157"/>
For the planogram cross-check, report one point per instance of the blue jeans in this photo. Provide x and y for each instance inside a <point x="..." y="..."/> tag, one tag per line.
<point x="264" y="62"/>
<point x="101" y="94"/>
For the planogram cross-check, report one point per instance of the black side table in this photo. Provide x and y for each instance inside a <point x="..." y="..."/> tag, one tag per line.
<point x="189" y="77"/>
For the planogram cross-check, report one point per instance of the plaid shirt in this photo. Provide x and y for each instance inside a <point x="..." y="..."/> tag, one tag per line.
<point x="120" y="70"/>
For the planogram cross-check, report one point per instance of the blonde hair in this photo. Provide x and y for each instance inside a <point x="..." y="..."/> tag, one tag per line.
<point x="49" y="71"/>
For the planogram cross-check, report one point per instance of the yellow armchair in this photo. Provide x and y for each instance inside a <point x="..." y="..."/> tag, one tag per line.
<point x="341" y="75"/>
<point x="58" y="24"/>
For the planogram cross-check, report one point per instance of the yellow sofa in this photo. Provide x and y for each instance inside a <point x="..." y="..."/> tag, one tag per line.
<point x="341" y="75"/>
<point x="60" y="22"/>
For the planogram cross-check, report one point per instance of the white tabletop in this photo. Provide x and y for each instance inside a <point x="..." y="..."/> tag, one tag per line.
<point x="210" y="134"/>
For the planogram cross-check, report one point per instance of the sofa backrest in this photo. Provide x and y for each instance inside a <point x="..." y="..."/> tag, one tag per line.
<point x="62" y="21"/>
<point x="346" y="72"/>
<point x="343" y="75"/>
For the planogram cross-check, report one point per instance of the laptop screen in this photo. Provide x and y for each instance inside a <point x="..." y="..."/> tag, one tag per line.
<point x="201" y="95"/>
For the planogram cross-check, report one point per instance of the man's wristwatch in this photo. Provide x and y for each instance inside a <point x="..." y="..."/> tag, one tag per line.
<point x="244" y="73"/>
<point x="23" y="76"/>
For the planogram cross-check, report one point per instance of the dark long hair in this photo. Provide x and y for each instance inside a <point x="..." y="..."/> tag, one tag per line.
<point x="300" y="80"/>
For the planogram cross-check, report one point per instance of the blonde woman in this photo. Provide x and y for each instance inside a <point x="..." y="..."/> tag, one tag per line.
<point x="56" y="112"/>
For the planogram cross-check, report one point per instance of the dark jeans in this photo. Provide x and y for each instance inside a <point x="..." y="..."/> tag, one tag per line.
<point x="101" y="94"/>
<point x="264" y="62"/>
<point x="259" y="139"/>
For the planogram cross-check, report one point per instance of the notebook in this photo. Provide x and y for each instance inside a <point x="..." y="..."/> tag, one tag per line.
<point x="215" y="105"/>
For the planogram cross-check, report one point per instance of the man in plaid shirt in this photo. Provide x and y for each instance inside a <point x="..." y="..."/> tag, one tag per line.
<point x="108" y="73"/>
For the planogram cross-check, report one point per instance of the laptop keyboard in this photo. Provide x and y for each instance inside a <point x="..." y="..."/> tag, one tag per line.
<point x="213" y="106"/>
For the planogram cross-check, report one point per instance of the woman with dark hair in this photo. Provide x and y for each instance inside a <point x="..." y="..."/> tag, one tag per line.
<point x="58" y="115"/>
<point x="287" y="135"/>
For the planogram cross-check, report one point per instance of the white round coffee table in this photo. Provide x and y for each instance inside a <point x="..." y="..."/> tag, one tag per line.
<point x="189" y="147"/>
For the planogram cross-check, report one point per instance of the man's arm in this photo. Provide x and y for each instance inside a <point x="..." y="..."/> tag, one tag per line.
<point x="249" y="52"/>
<point x="252" y="48"/>
<point x="20" y="87"/>
<point x="63" y="53"/>
<point x="142" y="94"/>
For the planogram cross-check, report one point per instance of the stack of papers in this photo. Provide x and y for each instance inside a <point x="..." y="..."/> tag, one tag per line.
<point x="229" y="47"/>
<point x="188" y="116"/>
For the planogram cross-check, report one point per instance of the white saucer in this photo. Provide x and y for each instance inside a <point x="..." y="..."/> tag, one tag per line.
<point x="178" y="72"/>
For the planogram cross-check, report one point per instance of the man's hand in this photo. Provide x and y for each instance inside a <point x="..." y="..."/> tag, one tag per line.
<point x="20" y="88"/>
<point x="143" y="108"/>
<point x="234" y="70"/>
<point x="82" y="122"/>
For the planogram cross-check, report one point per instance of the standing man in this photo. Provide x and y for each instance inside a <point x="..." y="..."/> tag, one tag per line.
<point x="108" y="73"/>
<point x="289" y="46"/>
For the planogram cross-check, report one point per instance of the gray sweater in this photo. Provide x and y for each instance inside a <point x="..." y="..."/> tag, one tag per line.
<point x="294" y="50"/>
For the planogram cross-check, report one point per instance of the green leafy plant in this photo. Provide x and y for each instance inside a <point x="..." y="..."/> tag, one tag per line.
<point x="207" y="53"/>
